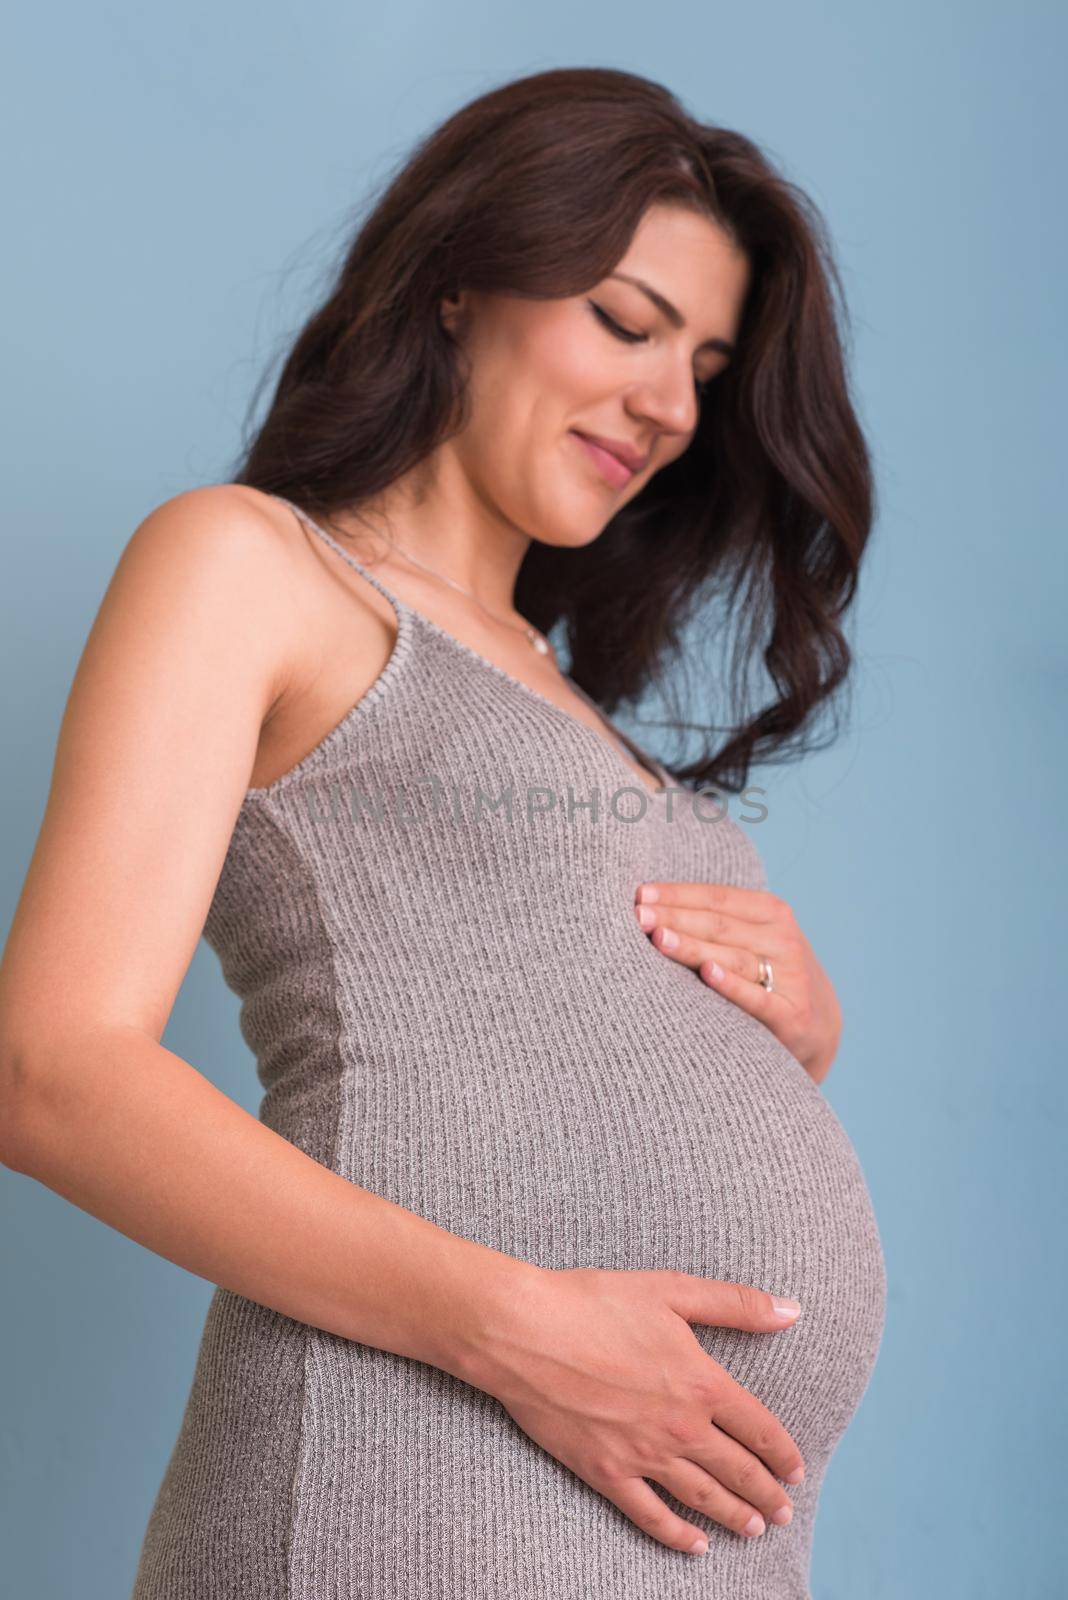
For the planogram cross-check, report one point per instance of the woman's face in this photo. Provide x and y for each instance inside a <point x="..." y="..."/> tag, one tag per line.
<point x="609" y="363"/>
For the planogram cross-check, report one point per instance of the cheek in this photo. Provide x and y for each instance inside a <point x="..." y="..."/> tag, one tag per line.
<point x="572" y="363"/>
<point x="533" y="380"/>
<point x="553" y="353"/>
<point x="504" y="447"/>
<point x="538" y="369"/>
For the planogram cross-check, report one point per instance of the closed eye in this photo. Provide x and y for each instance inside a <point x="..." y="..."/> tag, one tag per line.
<point x="615" y="327"/>
<point x="630" y="337"/>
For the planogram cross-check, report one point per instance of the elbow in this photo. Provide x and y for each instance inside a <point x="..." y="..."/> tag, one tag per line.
<point x="15" y="1100"/>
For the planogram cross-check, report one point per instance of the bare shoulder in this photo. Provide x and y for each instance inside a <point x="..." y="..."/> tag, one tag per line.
<point x="239" y="559"/>
<point x="237" y="541"/>
<point x="217" y="515"/>
<point x="221" y="528"/>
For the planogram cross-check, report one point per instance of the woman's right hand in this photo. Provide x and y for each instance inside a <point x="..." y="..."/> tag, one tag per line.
<point x="602" y="1370"/>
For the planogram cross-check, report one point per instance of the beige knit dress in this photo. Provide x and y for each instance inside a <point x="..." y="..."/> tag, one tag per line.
<point x="451" y="1003"/>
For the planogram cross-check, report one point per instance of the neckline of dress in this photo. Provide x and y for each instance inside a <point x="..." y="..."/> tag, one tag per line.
<point x="656" y="768"/>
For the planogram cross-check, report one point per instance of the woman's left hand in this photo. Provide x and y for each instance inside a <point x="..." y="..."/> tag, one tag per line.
<point x="718" y="928"/>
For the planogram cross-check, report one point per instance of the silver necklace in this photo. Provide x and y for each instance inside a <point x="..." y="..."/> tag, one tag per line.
<point x="537" y="640"/>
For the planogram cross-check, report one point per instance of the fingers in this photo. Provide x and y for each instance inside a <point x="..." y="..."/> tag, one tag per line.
<point x="743" y="1418"/>
<point x="690" y="951"/>
<point x="744" y="1515"/>
<point x="647" y="1510"/>
<point x="751" y="905"/>
<point x="772" y="1008"/>
<point x="694" y="940"/>
<point x="730" y="1405"/>
<point x="722" y="1303"/>
<point x="713" y="926"/>
<point x="734" y="1480"/>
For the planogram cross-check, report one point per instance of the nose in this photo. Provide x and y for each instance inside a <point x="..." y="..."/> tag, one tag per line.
<point x="670" y="401"/>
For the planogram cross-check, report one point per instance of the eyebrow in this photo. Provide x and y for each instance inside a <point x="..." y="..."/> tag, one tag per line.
<point x="673" y="314"/>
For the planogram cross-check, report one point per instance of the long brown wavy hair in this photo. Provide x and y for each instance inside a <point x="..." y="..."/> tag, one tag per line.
<point x="536" y="188"/>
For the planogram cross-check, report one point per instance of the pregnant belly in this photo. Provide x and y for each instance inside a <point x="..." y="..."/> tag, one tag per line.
<point x="681" y="1135"/>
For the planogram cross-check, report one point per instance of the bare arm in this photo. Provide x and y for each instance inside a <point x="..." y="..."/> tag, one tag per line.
<point x="185" y="659"/>
<point x="132" y="1133"/>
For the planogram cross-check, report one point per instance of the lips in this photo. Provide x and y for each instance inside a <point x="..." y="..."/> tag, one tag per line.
<point x="618" y="464"/>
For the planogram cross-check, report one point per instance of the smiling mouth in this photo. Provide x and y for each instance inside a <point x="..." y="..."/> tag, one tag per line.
<point x="614" y="471"/>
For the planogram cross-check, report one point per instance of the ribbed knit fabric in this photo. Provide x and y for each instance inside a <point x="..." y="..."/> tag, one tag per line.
<point x="458" y="1010"/>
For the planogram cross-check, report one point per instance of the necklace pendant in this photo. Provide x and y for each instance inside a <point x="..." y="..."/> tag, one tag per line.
<point x="540" y="644"/>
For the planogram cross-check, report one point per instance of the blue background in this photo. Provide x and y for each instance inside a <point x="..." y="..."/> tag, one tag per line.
<point x="185" y="179"/>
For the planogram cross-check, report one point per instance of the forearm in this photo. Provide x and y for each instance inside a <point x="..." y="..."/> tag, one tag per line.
<point x="130" y="1132"/>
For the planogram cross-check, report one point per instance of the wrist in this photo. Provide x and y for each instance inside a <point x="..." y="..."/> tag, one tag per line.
<point x="497" y="1297"/>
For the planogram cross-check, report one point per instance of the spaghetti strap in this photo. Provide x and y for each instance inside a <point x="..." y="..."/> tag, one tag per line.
<point x="346" y="555"/>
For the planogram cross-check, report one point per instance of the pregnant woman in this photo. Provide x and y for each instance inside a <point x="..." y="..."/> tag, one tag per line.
<point x="508" y="1268"/>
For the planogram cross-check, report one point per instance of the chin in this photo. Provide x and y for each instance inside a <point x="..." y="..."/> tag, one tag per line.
<point x="559" y="526"/>
<point x="572" y="538"/>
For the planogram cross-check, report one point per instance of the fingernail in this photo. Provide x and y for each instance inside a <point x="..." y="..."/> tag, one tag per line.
<point x="668" y="939"/>
<point x="646" y="918"/>
<point x="796" y="1476"/>
<point x="755" y="1525"/>
<point x="699" y="1546"/>
<point x="648" y="893"/>
<point x="783" y="1515"/>
<point x="784" y="1307"/>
